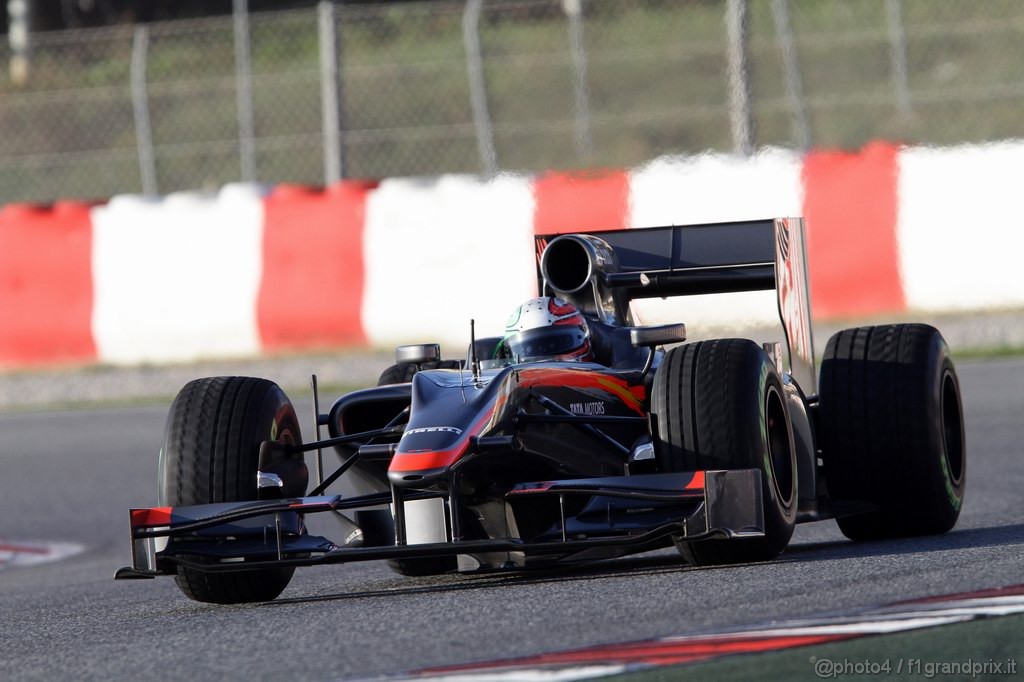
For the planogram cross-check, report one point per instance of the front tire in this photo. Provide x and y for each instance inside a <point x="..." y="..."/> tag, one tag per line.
<point x="892" y="430"/>
<point x="211" y="454"/>
<point x="720" y="405"/>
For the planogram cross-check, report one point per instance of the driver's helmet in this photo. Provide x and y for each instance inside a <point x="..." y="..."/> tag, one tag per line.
<point x="546" y="328"/>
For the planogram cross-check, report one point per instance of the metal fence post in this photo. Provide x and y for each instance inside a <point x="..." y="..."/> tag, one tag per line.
<point x="581" y="103"/>
<point x="243" y="91"/>
<point x="739" y="83"/>
<point x="898" y="50"/>
<point x="19" y="19"/>
<point x="331" y="92"/>
<point x="791" y="66"/>
<point x="478" y="88"/>
<point x="140" y="108"/>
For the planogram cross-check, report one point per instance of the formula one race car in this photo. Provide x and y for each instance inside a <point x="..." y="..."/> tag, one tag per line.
<point x="586" y="441"/>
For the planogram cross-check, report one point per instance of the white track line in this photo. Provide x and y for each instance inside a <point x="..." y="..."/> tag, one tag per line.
<point x="18" y="554"/>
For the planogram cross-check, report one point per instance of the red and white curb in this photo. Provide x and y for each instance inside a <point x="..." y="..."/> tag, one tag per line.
<point x="28" y="553"/>
<point x="613" y="659"/>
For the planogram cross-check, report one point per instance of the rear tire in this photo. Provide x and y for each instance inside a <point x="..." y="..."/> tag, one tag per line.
<point x="892" y="430"/>
<point x="400" y="374"/>
<point x="720" y="405"/>
<point x="211" y="454"/>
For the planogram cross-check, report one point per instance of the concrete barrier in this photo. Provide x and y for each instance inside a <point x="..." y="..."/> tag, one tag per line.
<point x="311" y="291"/>
<point x="439" y="252"/>
<point x="46" y="294"/>
<point x="176" y="279"/>
<point x="254" y="269"/>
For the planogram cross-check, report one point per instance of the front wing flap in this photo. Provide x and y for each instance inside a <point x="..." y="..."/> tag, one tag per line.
<point x="240" y="536"/>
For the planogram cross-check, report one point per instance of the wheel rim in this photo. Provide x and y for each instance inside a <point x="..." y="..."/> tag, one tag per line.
<point x="779" y="447"/>
<point x="952" y="429"/>
<point x="286" y="437"/>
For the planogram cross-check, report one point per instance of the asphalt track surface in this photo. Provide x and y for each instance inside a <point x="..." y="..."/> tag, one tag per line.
<point x="72" y="475"/>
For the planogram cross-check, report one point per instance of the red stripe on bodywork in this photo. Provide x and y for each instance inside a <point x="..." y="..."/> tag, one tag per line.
<point x="157" y="516"/>
<point x="46" y="291"/>
<point x="311" y="291"/>
<point x="850" y="209"/>
<point x="408" y="462"/>
<point x="405" y="462"/>
<point x="631" y="396"/>
<point x="542" y="488"/>
<point x="696" y="483"/>
<point x="581" y="202"/>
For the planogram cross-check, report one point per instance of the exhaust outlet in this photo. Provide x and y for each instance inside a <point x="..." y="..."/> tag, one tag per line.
<point x="572" y="261"/>
<point x="574" y="266"/>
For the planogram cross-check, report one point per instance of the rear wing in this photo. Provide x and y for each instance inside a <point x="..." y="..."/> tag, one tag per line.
<point x="683" y="260"/>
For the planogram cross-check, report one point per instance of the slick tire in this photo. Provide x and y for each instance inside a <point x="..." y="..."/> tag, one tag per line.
<point x="892" y="430"/>
<point x="211" y="454"/>
<point x="720" y="405"/>
<point x="400" y="374"/>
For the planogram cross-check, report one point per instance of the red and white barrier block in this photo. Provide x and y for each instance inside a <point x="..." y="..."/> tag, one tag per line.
<point x="256" y="269"/>
<point x="177" y="278"/>
<point x="439" y="252"/>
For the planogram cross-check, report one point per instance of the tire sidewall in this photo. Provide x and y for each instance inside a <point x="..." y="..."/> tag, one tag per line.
<point x="779" y="507"/>
<point x="944" y="485"/>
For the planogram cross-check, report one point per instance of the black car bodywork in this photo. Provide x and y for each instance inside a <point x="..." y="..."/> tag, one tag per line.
<point x="495" y="465"/>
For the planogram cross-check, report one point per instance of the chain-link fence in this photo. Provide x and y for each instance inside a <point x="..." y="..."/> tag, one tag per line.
<point x="520" y="85"/>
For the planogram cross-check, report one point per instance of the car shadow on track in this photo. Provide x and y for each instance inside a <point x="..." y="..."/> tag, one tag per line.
<point x="967" y="538"/>
<point x="641" y="565"/>
<point x="668" y="562"/>
<point x="651" y="564"/>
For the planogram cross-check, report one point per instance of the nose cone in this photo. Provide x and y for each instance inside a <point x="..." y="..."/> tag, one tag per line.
<point x="448" y="410"/>
<point x="424" y="454"/>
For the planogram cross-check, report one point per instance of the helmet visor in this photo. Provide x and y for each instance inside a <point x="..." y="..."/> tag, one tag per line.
<point x="540" y="344"/>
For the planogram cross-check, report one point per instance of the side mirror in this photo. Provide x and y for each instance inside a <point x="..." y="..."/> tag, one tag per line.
<point x="647" y="337"/>
<point x="417" y="353"/>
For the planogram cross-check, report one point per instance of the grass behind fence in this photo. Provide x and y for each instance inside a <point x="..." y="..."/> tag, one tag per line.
<point x="655" y="75"/>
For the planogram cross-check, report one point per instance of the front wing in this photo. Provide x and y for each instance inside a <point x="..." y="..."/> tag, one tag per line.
<point x="243" y="536"/>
